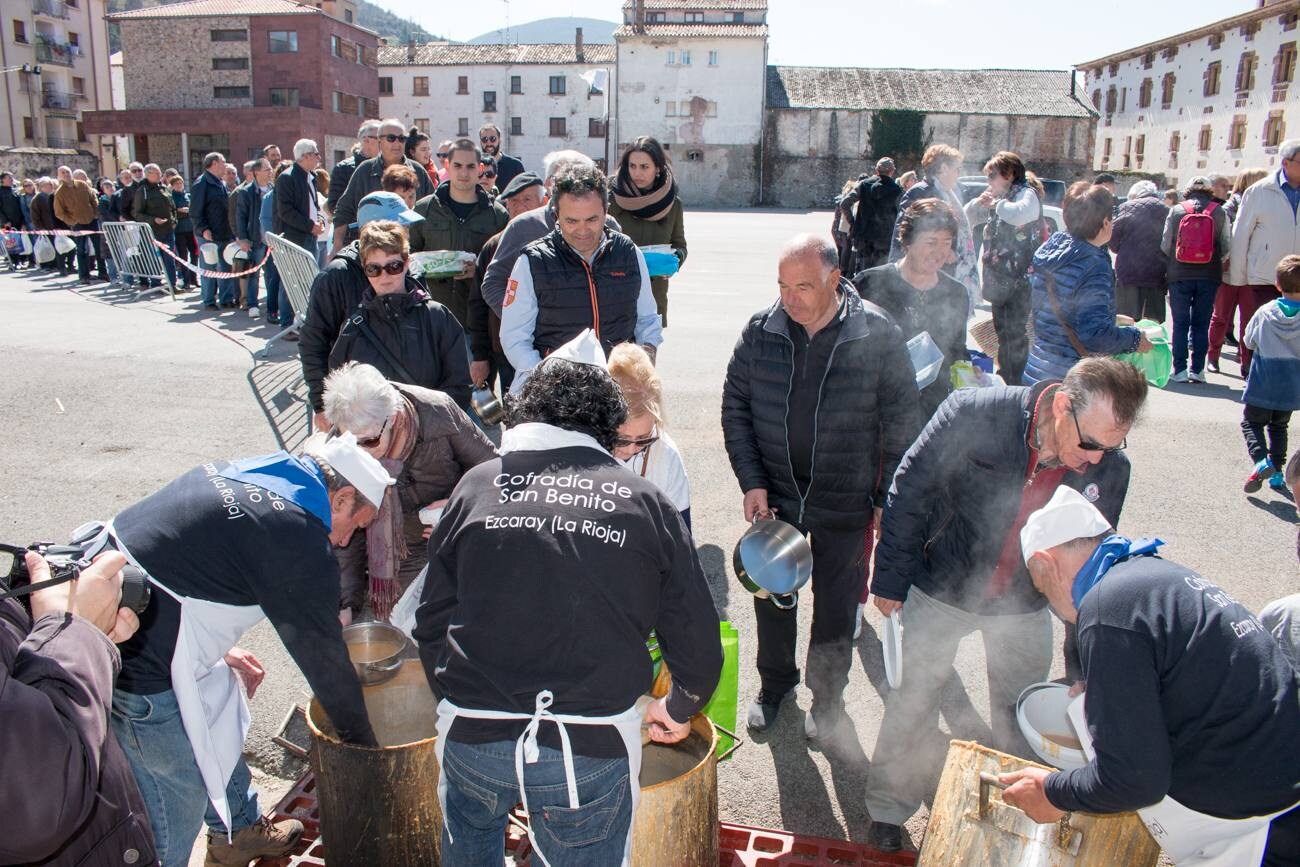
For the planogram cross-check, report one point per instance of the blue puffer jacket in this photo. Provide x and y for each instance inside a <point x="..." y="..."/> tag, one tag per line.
<point x="1085" y="290"/>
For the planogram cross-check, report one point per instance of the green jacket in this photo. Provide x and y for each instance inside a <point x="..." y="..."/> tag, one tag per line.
<point x="670" y="230"/>
<point x="154" y="202"/>
<point x="442" y="230"/>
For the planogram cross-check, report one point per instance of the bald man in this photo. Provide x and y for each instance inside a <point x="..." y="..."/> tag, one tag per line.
<point x="818" y="407"/>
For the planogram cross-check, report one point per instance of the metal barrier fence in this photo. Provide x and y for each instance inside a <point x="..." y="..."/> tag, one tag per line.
<point x="298" y="270"/>
<point x="134" y="255"/>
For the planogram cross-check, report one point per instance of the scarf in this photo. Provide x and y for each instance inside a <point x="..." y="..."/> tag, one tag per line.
<point x="1115" y="549"/>
<point x="652" y="204"/>
<point x="385" y="542"/>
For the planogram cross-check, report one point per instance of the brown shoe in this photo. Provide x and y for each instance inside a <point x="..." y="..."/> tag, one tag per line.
<point x="262" y="840"/>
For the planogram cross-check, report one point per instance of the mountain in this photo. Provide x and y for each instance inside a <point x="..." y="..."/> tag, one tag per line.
<point x="556" y="30"/>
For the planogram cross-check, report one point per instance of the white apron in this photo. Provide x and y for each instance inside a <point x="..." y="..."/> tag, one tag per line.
<point x="628" y="724"/>
<point x="1189" y="838"/>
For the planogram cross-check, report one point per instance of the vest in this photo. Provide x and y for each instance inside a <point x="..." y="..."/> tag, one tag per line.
<point x="572" y="295"/>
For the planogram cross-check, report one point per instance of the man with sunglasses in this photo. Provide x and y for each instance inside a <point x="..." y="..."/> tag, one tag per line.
<point x="949" y="552"/>
<point x="368" y="178"/>
<point x="366" y="147"/>
<point x="489" y="138"/>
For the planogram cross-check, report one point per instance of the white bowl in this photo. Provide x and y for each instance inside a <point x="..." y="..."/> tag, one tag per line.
<point x="1044" y="720"/>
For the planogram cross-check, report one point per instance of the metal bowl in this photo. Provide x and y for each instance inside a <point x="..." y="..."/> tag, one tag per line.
<point x="773" y="559"/>
<point x="376" y="650"/>
<point x="488" y="406"/>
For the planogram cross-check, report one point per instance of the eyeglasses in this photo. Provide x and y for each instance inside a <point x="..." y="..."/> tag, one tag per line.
<point x="490" y="139"/>
<point x="1089" y="446"/>
<point x="390" y="138"/>
<point x="308" y="154"/>
<point x="393" y="268"/>
<point x="442" y="155"/>
<point x="371" y="442"/>
<point x="370" y="135"/>
<point x="487" y="176"/>
<point x="641" y="444"/>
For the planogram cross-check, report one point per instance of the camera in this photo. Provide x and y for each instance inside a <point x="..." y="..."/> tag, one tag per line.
<point x="66" y="563"/>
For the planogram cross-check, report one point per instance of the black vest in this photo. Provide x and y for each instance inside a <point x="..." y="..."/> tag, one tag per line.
<point x="572" y="295"/>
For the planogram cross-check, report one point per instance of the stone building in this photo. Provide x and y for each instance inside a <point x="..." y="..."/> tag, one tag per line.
<point x="235" y="75"/>
<point x="534" y="93"/>
<point x="820" y="123"/>
<point x="1212" y="99"/>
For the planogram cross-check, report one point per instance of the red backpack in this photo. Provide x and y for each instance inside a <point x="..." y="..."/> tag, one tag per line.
<point x="1196" y="234"/>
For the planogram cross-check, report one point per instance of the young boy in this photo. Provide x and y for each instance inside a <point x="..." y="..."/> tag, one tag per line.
<point x="1273" y="385"/>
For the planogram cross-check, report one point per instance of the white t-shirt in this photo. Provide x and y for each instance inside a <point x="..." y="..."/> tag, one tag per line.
<point x="662" y="464"/>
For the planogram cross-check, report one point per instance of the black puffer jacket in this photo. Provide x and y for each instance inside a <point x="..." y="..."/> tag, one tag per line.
<point x="956" y="495"/>
<point x="420" y="332"/>
<point x="866" y="416"/>
<point x="1135" y="241"/>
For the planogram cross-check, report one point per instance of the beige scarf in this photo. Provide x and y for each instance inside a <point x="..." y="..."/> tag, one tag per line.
<point x="385" y="542"/>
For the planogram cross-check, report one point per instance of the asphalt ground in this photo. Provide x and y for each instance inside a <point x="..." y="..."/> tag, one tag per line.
<point x="108" y="398"/>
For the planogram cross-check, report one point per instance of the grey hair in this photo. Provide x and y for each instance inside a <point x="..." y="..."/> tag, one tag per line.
<point x="359" y="399"/>
<point x="1142" y="189"/>
<point x="1289" y="148"/>
<point x="152" y="167"/>
<point x="1217" y="179"/>
<point x="885" y="164"/>
<point x="62" y="169"/>
<point x="812" y="245"/>
<point x="556" y="161"/>
<point x="302" y="147"/>
<point x="210" y="159"/>
<point x="136" y="165"/>
<point x="392" y="121"/>
<point x="43" y="180"/>
<point x="80" y="175"/>
<point x="369" y="127"/>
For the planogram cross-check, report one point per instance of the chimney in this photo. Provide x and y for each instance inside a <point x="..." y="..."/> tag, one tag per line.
<point x="1072" y="83"/>
<point x="410" y="50"/>
<point x="638" y="15"/>
<point x="577" y="46"/>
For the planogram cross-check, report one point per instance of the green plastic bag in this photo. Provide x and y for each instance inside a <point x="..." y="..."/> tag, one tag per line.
<point x="1158" y="364"/>
<point x="722" y="707"/>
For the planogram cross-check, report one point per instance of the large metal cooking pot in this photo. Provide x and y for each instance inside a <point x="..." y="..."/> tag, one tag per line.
<point x="487" y="404"/>
<point x="375" y="649"/>
<point x="677" y="820"/>
<point x="773" y="560"/>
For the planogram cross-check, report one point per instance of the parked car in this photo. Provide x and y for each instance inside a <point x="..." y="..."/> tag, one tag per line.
<point x="971" y="186"/>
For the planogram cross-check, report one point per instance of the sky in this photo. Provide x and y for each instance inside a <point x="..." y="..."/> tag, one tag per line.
<point x="1015" y="34"/>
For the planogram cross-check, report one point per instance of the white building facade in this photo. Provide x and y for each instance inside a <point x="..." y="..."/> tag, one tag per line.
<point x="692" y="73"/>
<point x="1214" y="99"/>
<point x="535" y="94"/>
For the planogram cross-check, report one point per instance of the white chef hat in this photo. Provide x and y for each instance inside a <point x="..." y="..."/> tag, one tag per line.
<point x="583" y="349"/>
<point x="1066" y="517"/>
<point x="356" y="465"/>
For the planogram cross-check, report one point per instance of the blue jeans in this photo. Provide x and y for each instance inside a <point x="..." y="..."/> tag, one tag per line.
<point x="1191" y="304"/>
<point x="482" y="789"/>
<point x="150" y="731"/>
<point x="169" y="264"/>
<point x="255" y="254"/>
<point x="210" y="286"/>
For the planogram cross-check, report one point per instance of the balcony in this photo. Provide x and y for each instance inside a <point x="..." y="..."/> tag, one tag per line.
<point x="51" y="8"/>
<point x="53" y="142"/>
<point x="58" y="100"/>
<point x="59" y="53"/>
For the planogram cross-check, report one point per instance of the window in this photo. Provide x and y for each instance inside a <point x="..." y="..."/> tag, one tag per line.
<point x="78" y="86"/>
<point x="489" y="101"/>
<point x="656" y="17"/>
<point x="336" y="46"/>
<point x="1096" y="99"/>
<point x="1175" y="141"/>
<point x="672" y="58"/>
<point x="1237" y="133"/>
<point x="230" y="63"/>
<point x="686" y="57"/>
<point x="20" y="33"/>
<point x="74" y="39"/>
<point x="694" y="17"/>
<point x="1139" y="149"/>
<point x="1112" y="99"/>
<point x="670" y="108"/>
<point x="1112" y="69"/>
<point x="81" y="131"/>
<point x="285" y="96"/>
<point x="1284" y="64"/>
<point x="283" y="41"/>
<point x="462" y="126"/>
<point x="347" y="16"/>
<point x="229" y="35"/>
<point x="557" y="85"/>
<point x="737" y="18"/>
<point x="1167" y="90"/>
<point x="516" y="126"/>
<point x="420" y="85"/>
<point x="1246" y="72"/>
<point x="1274" y="129"/>
<point x="422" y="124"/>
<point x="516" y="84"/>
<point x="1288" y="21"/>
<point x="1123" y="99"/>
<point x="346" y="103"/>
<point x="385" y="85"/>
<point x="369" y="107"/>
<point x="595" y="127"/>
<point x="1169" y="53"/>
<point x="29" y="128"/>
<point x="1205" y="138"/>
<point x="1216" y="41"/>
<point x="1212" y="79"/>
<point x="713" y="58"/>
<point x="1148" y="60"/>
<point x="339" y="156"/>
<point x="1128" y="151"/>
<point x="1144" y="94"/>
<point x="1105" y="152"/>
<point x="230" y="92"/>
<point x="1248" y="31"/>
<point x="559" y="127"/>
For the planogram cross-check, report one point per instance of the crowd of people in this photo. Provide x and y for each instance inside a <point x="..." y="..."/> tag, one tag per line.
<point x="448" y="270"/>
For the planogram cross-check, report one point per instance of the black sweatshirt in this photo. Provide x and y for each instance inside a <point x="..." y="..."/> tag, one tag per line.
<point x="207" y="537"/>
<point x="558" y="588"/>
<point x="1188" y="696"/>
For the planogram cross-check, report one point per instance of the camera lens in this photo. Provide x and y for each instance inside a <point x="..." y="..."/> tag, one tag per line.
<point x="135" y="590"/>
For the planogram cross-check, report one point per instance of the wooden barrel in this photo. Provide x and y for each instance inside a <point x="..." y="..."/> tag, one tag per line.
<point x="970" y="828"/>
<point x="676" y="824"/>
<point x="380" y="806"/>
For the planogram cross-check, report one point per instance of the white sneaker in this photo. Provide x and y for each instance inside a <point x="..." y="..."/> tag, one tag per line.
<point x="1181" y="376"/>
<point x="809" y="726"/>
<point x="254" y="313"/>
<point x="1195" y="377"/>
<point x="857" y="622"/>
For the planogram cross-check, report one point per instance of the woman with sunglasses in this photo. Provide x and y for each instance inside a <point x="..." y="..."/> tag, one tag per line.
<point x="366" y="307"/>
<point x="646" y="205"/>
<point x="642" y="444"/>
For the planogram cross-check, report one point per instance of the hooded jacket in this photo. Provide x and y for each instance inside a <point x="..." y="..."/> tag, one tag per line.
<point x="1135" y="241"/>
<point x="1274" y="380"/>
<point x="419" y="332"/>
<point x="1085" y="291"/>
<point x="441" y="229"/>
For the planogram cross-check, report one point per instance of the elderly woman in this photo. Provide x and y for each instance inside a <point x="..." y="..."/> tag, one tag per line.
<point x="942" y="166"/>
<point x="400" y="178"/>
<point x="1074" y="290"/>
<point x="1139" y="262"/>
<point x="366" y="307"/>
<point x="424" y="441"/>
<point x="918" y="294"/>
<point x="643" y="445"/>
<point x="647" y="206"/>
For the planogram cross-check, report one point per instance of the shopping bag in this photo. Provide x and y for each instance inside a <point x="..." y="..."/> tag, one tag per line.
<point x="722" y="705"/>
<point x="1157" y="365"/>
<point x="24" y="244"/>
<point x="64" y="245"/>
<point x="44" y="250"/>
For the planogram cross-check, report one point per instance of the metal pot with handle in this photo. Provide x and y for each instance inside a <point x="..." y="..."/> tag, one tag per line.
<point x="487" y="404"/>
<point x="773" y="560"/>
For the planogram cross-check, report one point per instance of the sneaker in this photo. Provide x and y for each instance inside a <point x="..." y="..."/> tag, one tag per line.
<point x="857" y="621"/>
<point x="763" y="710"/>
<point x="1195" y="377"/>
<point x="1214" y="366"/>
<point x="1181" y="376"/>
<point x="885" y="837"/>
<point x="1263" y="470"/>
<point x="821" y="721"/>
<point x="262" y="840"/>
<point x="253" y="312"/>
<point x="1277" y="482"/>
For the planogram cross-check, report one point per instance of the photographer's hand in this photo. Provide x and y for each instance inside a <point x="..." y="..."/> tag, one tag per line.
<point x="94" y="596"/>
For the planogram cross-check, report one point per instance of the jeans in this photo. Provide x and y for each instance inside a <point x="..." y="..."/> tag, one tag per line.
<point x="271" y="282"/>
<point x="1191" y="304"/>
<point x="153" y="737"/>
<point x="184" y="245"/>
<point x="1265" y="431"/>
<point x="211" y="285"/>
<point x="169" y="264"/>
<point x="1011" y="324"/>
<point x="482" y="789"/>
<point x="85" y="253"/>
<point x="1018" y="652"/>
<point x="255" y="254"/>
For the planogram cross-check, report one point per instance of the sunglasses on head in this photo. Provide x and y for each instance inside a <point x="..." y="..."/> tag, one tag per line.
<point x="1088" y="445"/>
<point x="393" y="268"/>
<point x="371" y="442"/>
<point x="390" y="138"/>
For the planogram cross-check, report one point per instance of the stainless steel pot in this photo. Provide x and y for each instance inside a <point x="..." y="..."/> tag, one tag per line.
<point x="375" y="649"/>
<point x="773" y="560"/>
<point x="488" y="406"/>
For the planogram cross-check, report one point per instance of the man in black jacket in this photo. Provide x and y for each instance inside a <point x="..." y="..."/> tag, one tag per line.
<point x="297" y="217"/>
<point x="368" y="178"/>
<point x="489" y="139"/>
<point x="211" y="215"/>
<point x="949" y="551"/>
<point x="873" y="223"/>
<point x="366" y="148"/>
<point x="818" y="407"/>
<point x="248" y="228"/>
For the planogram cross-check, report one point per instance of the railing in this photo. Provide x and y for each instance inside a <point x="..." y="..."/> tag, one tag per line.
<point x="70" y="143"/>
<point x="57" y="99"/>
<point x="55" y="52"/>
<point x="50" y="8"/>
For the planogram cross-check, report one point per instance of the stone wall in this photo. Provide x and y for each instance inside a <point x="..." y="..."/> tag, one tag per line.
<point x="170" y="64"/>
<point x="35" y="162"/>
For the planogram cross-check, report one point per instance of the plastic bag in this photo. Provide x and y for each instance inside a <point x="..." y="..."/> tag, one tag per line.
<point x="722" y="705"/>
<point x="661" y="260"/>
<point x="926" y="357"/>
<point x="64" y="244"/>
<point x="1157" y="364"/>
<point x="44" y="250"/>
<point x="441" y="264"/>
<point x="964" y="374"/>
<point x="403" y="614"/>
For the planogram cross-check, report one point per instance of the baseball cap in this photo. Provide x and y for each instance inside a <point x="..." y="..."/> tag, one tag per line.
<point x="384" y="206"/>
